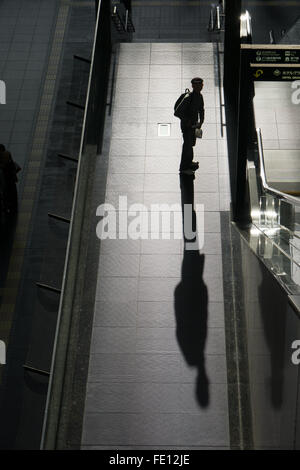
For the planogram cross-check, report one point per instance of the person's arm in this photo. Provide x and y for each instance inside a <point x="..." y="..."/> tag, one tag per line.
<point x="201" y="111"/>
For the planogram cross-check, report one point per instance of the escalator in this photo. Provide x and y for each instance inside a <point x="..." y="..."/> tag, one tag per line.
<point x="270" y="272"/>
<point x="275" y="224"/>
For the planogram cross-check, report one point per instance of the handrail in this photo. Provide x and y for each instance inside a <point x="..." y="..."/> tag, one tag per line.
<point x="246" y="27"/>
<point x="222" y="124"/>
<point x="211" y="22"/>
<point x="262" y="174"/>
<point x="218" y="18"/>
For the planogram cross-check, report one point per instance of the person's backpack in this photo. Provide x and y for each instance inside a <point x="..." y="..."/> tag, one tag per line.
<point x="182" y="104"/>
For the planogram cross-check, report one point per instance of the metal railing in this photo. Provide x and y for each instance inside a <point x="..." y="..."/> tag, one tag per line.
<point x="216" y="18"/>
<point x="262" y="173"/>
<point x="91" y="139"/>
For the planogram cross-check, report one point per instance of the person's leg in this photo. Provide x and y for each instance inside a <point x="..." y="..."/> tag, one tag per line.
<point x="187" y="149"/>
<point x="12" y="198"/>
<point x="194" y="137"/>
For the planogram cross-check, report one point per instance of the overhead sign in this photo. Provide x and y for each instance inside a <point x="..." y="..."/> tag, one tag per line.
<point x="276" y="56"/>
<point x="273" y="72"/>
<point x="272" y="53"/>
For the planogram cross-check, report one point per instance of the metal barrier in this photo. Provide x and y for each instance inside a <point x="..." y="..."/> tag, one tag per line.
<point x="216" y="18"/>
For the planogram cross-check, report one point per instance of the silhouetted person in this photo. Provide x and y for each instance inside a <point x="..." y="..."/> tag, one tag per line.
<point x="189" y="122"/>
<point x="8" y="180"/>
<point x="191" y="300"/>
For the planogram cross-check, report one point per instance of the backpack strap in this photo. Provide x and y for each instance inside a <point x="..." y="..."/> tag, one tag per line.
<point x="186" y="95"/>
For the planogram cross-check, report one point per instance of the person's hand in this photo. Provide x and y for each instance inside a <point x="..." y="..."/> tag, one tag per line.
<point x="197" y="126"/>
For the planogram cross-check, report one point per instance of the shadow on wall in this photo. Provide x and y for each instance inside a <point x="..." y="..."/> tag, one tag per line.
<point x="191" y="304"/>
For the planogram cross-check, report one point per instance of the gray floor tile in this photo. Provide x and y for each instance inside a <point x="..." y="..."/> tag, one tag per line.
<point x="127" y="147"/>
<point x="201" y="58"/>
<point x="128" y="115"/>
<point x="156" y="340"/>
<point x="133" y="397"/>
<point x="131" y="130"/>
<point x="113" y="197"/>
<point x="162" y="289"/>
<point x="119" y="314"/>
<point x="155" y="314"/>
<point x="111" y="288"/>
<point x="161" y="246"/>
<point x="165" y="71"/>
<point x="120" y="265"/>
<point x="212" y="243"/>
<point x="206" y="148"/>
<point x="141" y="57"/>
<point x="194" y="70"/>
<point x="169" y="147"/>
<point x="207" y="430"/>
<point x="138" y="373"/>
<point x="131" y="429"/>
<point x="160" y="265"/>
<point x="119" y="246"/>
<point x="163" y="99"/>
<point x="131" y="70"/>
<point x="160" y="115"/>
<point x="112" y="367"/>
<point x="113" y="340"/>
<point x="160" y="57"/>
<point x="132" y="85"/>
<point x="129" y="100"/>
<point x="124" y="183"/>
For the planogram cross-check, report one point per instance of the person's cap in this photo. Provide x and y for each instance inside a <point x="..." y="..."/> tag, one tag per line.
<point x="196" y="80"/>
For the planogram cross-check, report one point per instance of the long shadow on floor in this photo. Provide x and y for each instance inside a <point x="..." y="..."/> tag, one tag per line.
<point x="191" y="298"/>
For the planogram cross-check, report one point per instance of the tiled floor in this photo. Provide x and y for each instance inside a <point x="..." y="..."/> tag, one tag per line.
<point x="159" y="311"/>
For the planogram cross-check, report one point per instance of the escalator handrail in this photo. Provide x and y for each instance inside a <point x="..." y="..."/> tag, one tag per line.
<point x="262" y="173"/>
